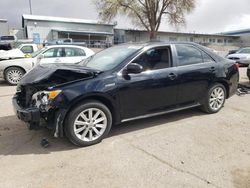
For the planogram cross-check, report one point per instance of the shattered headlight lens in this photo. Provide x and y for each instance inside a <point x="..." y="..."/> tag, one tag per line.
<point x="42" y="99"/>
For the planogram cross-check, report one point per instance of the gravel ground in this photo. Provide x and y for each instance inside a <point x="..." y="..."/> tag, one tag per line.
<point x="183" y="149"/>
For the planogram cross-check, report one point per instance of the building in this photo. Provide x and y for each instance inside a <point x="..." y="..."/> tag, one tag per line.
<point x="131" y="35"/>
<point x="94" y="33"/>
<point x="45" y="28"/>
<point x="244" y="36"/>
<point x="4" y="27"/>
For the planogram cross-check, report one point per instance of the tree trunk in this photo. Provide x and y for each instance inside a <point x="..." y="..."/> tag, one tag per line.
<point x="153" y="35"/>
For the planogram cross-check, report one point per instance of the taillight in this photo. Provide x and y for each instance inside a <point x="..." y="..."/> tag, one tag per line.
<point x="237" y="66"/>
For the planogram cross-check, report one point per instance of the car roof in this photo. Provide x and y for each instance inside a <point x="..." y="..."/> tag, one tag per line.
<point x="68" y="46"/>
<point x="153" y="44"/>
<point x="158" y="43"/>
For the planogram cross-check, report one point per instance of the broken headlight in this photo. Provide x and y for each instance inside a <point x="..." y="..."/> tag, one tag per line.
<point x="42" y="99"/>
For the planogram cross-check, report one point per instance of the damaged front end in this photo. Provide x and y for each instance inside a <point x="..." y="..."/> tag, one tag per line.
<point x="40" y="95"/>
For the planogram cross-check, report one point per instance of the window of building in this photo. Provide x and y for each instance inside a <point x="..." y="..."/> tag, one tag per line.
<point x="154" y="59"/>
<point x="173" y="39"/>
<point x="219" y="40"/>
<point x="188" y="55"/>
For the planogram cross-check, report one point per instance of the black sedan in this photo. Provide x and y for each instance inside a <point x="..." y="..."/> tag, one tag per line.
<point x="123" y="83"/>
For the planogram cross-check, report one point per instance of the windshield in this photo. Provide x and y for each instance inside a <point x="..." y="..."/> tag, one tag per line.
<point x="244" y="51"/>
<point x="111" y="57"/>
<point x="34" y="54"/>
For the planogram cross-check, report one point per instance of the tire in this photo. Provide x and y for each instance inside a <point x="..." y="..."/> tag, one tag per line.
<point x="215" y="99"/>
<point x="13" y="75"/>
<point x="81" y="130"/>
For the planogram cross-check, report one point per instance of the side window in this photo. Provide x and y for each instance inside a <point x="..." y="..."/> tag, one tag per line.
<point x="207" y="58"/>
<point x="188" y="55"/>
<point x="79" y="52"/>
<point x="54" y="52"/>
<point x="154" y="59"/>
<point x="27" y="49"/>
<point x="71" y="52"/>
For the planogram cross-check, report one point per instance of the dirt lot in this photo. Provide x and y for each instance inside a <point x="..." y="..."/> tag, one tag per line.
<point x="184" y="149"/>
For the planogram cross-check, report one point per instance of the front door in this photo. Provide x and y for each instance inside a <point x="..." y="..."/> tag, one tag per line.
<point x="153" y="90"/>
<point x="53" y="55"/>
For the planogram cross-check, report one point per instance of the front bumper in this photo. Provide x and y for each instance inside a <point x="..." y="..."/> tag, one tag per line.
<point x="29" y="115"/>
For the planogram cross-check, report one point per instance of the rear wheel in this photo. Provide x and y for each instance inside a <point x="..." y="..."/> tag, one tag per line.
<point x="214" y="99"/>
<point x="13" y="75"/>
<point x="88" y="123"/>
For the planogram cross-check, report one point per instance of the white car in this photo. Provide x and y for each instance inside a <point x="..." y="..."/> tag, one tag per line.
<point x="19" y="52"/>
<point x="13" y="70"/>
<point x="242" y="56"/>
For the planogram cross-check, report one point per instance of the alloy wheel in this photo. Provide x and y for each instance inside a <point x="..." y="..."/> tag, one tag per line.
<point x="90" y="124"/>
<point x="217" y="98"/>
<point x="14" y="76"/>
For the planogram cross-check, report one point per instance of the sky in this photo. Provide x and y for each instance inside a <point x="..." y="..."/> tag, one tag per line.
<point x="209" y="16"/>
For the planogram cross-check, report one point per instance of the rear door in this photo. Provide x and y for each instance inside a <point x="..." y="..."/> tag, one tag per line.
<point x="196" y="71"/>
<point x="73" y="55"/>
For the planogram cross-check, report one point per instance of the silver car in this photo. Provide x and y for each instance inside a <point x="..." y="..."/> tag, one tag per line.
<point x="242" y="56"/>
<point x="13" y="70"/>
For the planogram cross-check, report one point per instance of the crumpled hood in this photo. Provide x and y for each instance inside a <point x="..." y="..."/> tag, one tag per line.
<point x="50" y="75"/>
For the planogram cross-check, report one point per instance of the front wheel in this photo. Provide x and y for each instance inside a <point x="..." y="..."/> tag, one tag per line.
<point x="13" y="75"/>
<point x="88" y="123"/>
<point x="215" y="99"/>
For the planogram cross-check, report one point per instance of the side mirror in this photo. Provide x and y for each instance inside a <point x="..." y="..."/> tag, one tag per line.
<point x="134" y="68"/>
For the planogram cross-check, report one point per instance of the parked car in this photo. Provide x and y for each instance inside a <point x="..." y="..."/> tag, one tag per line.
<point x="123" y="83"/>
<point x="232" y="51"/>
<point x="22" y="51"/>
<point x="242" y="56"/>
<point x="13" y="70"/>
<point x="248" y="72"/>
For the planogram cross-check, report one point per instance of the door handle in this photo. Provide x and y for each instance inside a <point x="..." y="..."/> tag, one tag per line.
<point x="57" y="60"/>
<point x="172" y="76"/>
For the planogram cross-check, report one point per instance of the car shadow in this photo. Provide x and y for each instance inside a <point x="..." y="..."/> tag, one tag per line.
<point x="16" y="139"/>
<point x="3" y="83"/>
<point x="154" y="121"/>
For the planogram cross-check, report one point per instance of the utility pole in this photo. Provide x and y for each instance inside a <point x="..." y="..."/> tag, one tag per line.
<point x="30" y="7"/>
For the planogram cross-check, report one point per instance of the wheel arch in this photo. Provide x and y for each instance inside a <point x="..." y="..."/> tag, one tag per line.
<point x="99" y="98"/>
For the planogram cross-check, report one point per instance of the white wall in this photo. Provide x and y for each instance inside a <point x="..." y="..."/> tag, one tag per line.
<point x="4" y="28"/>
<point x="44" y="28"/>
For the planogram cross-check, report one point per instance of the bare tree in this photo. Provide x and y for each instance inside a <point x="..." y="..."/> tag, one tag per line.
<point x="146" y="13"/>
